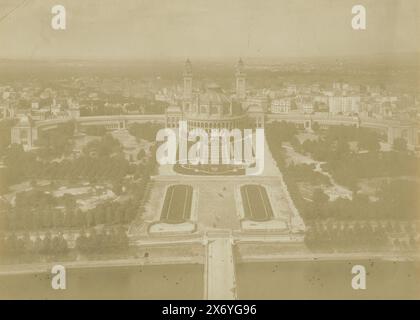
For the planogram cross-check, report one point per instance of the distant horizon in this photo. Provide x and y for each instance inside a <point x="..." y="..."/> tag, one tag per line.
<point x="408" y="54"/>
<point x="206" y="30"/>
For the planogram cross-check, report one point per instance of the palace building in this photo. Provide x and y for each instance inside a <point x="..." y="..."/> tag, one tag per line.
<point x="212" y="108"/>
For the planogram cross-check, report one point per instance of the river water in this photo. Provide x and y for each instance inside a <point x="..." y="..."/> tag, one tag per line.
<point x="262" y="280"/>
<point x="140" y="282"/>
<point x="327" y="280"/>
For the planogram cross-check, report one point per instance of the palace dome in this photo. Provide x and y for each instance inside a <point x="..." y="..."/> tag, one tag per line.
<point x="213" y="95"/>
<point x="212" y="104"/>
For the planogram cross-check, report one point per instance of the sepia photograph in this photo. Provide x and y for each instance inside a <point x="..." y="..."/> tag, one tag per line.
<point x="209" y="150"/>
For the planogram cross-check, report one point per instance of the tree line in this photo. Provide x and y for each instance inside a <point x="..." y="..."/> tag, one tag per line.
<point x="50" y="245"/>
<point x="95" y="242"/>
<point x="361" y="236"/>
<point x="108" y="242"/>
<point x="40" y="215"/>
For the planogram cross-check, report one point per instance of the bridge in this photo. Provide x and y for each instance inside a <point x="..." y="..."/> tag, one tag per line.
<point x="219" y="268"/>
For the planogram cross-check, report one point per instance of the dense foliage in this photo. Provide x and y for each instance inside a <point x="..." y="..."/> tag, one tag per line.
<point x="397" y="198"/>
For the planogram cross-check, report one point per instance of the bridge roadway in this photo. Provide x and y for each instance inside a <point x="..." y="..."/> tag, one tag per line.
<point x="219" y="269"/>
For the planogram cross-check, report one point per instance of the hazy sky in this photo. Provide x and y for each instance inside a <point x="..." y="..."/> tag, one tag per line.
<point x="206" y="28"/>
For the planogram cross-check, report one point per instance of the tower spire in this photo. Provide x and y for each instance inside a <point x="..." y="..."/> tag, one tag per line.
<point x="188" y="78"/>
<point x="188" y="68"/>
<point x="240" y="80"/>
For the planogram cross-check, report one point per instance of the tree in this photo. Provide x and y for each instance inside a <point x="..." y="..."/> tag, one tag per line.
<point x="315" y="126"/>
<point x="38" y="245"/>
<point x="90" y="218"/>
<point x="141" y="154"/>
<point x="58" y="218"/>
<point x="319" y="197"/>
<point x="109" y="215"/>
<point x="80" y="218"/>
<point x="46" y="244"/>
<point x="369" y="142"/>
<point x="69" y="219"/>
<point x="319" y="204"/>
<point x="82" y="242"/>
<point x="412" y="242"/>
<point x="342" y="149"/>
<point x="47" y="218"/>
<point x="400" y="145"/>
